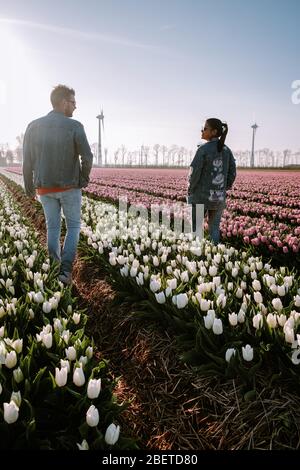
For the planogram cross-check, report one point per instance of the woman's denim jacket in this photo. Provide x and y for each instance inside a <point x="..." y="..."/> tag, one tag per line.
<point x="52" y="145"/>
<point x="211" y="174"/>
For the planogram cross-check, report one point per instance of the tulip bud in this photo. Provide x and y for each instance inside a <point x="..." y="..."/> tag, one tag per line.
<point x="112" y="434"/>
<point x="256" y="285"/>
<point x="11" y="359"/>
<point x="83" y="446"/>
<point x="92" y="416"/>
<point x="281" y="290"/>
<point x="61" y="376"/>
<point x="209" y="319"/>
<point x="16" y="397"/>
<point x="11" y="412"/>
<point x="247" y="352"/>
<point x="71" y="353"/>
<point x="257" y="321"/>
<point x="160" y="298"/>
<point x="277" y="304"/>
<point x="89" y="352"/>
<point x="18" y="375"/>
<point x="229" y="354"/>
<point x="18" y="345"/>
<point x="78" y="377"/>
<point x="233" y="318"/>
<point x="217" y="326"/>
<point x="182" y="300"/>
<point x="93" y="389"/>
<point x="47" y="307"/>
<point x="258" y="297"/>
<point x="271" y="320"/>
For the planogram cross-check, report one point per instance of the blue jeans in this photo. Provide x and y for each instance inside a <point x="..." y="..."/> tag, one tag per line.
<point x="214" y="219"/>
<point x="70" y="202"/>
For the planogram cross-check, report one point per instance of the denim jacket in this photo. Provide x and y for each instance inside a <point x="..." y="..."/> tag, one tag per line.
<point x="52" y="145"/>
<point x="211" y="174"/>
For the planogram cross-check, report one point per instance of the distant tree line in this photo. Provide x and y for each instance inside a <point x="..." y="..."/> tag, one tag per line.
<point x="176" y="156"/>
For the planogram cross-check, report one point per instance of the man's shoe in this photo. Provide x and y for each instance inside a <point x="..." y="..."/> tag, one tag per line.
<point x="65" y="278"/>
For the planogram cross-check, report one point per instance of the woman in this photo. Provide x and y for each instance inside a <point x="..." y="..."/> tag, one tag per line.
<point x="212" y="172"/>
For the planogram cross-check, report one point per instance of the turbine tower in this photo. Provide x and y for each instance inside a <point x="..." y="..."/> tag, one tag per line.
<point x="100" y="117"/>
<point x="254" y="127"/>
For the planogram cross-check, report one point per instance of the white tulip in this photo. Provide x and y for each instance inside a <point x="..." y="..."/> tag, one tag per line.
<point x="258" y="297"/>
<point x="182" y="300"/>
<point x="216" y="281"/>
<point x="76" y="318"/>
<point x="277" y="304"/>
<point x="281" y="319"/>
<point x="112" y="434"/>
<point x="297" y="300"/>
<point x="11" y="412"/>
<point x="241" y="316"/>
<point x="239" y="293"/>
<point x="155" y="285"/>
<point x="78" y="377"/>
<point x="209" y="319"/>
<point x="234" y="272"/>
<point x="184" y="276"/>
<point x="92" y="416"/>
<point x="71" y="353"/>
<point x="47" y="307"/>
<point x="233" y="318"/>
<point x="1" y="388"/>
<point x="259" y="265"/>
<point x="271" y="320"/>
<point x="168" y="292"/>
<point x="247" y="352"/>
<point x="246" y="269"/>
<point x="18" y="375"/>
<point x="11" y="359"/>
<point x="212" y="270"/>
<point x="16" y="397"/>
<point x="281" y="290"/>
<point x="61" y="376"/>
<point x="93" y="389"/>
<point x="217" y="326"/>
<point x="17" y="345"/>
<point x="83" y="446"/>
<point x="289" y="334"/>
<point x="204" y="304"/>
<point x="65" y="364"/>
<point x="89" y="352"/>
<point x="47" y="340"/>
<point x="1" y="331"/>
<point x="229" y="354"/>
<point x="273" y="289"/>
<point x="256" y="285"/>
<point x="172" y="283"/>
<point x="257" y="321"/>
<point x="160" y="298"/>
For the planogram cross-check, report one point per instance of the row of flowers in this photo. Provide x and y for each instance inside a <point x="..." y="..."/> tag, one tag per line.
<point x="236" y="308"/>
<point x="267" y="228"/>
<point x="54" y="393"/>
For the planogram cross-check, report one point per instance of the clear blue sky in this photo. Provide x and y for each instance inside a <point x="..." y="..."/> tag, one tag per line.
<point x="158" y="68"/>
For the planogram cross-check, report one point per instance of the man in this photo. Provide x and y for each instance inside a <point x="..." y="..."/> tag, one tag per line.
<point x="53" y="170"/>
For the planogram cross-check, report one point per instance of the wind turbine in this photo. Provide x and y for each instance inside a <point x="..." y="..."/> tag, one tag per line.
<point x="100" y="117"/>
<point x="254" y="127"/>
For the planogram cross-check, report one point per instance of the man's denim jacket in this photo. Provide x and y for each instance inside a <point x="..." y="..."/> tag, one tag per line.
<point x="211" y="174"/>
<point x="52" y="145"/>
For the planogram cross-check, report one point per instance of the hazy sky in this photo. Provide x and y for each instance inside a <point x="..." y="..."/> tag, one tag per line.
<point x="157" y="67"/>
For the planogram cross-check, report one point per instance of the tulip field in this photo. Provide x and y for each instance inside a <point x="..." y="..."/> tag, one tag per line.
<point x="227" y="315"/>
